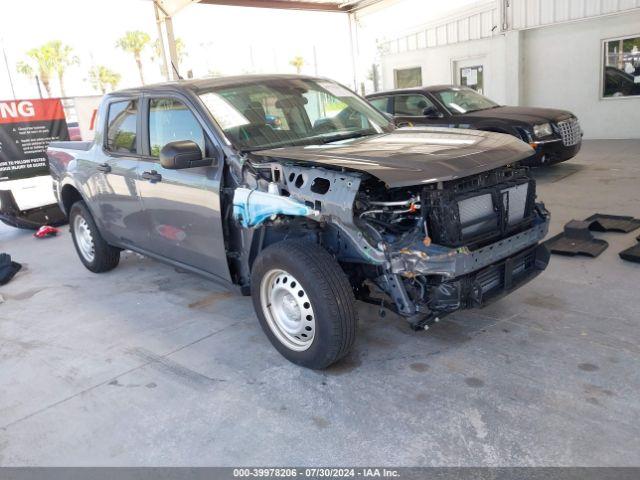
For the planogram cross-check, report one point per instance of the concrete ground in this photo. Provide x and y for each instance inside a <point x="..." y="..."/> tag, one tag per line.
<point x="149" y="366"/>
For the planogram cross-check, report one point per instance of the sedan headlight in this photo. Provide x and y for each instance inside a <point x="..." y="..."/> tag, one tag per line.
<point x="542" y="130"/>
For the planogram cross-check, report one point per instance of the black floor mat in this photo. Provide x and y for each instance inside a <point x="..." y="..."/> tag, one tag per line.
<point x="612" y="223"/>
<point x="576" y="240"/>
<point x="631" y="254"/>
<point x="7" y="268"/>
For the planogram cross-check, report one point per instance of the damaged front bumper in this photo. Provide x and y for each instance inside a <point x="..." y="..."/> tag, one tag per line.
<point x="420" y="259"/>
<point x="482" y="287"/>
<point x="449" y="279"/>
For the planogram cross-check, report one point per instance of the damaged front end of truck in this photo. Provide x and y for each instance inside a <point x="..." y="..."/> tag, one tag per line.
<point x="422" y="251"/>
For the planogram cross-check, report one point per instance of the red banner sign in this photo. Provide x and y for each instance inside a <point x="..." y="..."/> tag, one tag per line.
<point x="26" y="128"/>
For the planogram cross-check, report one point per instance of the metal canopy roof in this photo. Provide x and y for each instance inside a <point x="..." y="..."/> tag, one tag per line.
<point x="165" y="9"/>
<point x="344" y="6"/>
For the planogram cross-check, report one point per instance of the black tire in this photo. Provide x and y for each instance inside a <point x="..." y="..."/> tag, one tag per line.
<point x="105" y="257"/>
<point x="330" y="295"/>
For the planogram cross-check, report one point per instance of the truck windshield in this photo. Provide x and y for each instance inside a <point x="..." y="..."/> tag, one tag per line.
<point x="284" y="112"/>
<point x="464" y="100"/>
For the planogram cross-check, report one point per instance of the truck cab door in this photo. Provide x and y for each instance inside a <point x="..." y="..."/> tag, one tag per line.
<point x="182" y="206"/>
<point x="114" y="182"/>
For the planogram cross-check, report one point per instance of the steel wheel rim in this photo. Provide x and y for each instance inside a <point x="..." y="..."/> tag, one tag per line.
<point x="84" y="238"/>
<point x="288" y="310"/>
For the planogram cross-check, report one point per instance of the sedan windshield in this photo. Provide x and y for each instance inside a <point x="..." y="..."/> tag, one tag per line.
<point x="464" y="100"/>
<point x="283" y="112"/>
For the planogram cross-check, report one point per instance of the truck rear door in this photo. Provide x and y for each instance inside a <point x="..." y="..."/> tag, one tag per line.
<point x="113" y="183"/>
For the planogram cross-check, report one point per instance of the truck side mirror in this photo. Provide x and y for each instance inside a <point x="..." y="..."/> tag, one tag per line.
<point x="182" y="154"/>
<point x="431" y="112"/>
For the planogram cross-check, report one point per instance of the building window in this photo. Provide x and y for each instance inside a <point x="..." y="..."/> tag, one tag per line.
<point x="408" y="77"/>
<point x="621" y="69"/>
<point x="473" y="77"/>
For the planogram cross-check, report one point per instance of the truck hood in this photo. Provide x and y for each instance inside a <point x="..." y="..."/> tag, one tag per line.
<point x="529" y="115"/>
<point x="411" y="156"/>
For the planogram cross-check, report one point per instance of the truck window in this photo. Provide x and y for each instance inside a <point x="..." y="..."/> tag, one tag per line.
<point x="121" y="127"/>
<point x="170" y="120"/>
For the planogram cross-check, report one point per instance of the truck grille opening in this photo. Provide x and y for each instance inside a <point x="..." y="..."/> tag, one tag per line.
<point x="516" y="202"/>
<point x="570" y="132"/>
<point x="477" y="215"/>
<point x="493" y="278"/>
<point x="474" y="212"/>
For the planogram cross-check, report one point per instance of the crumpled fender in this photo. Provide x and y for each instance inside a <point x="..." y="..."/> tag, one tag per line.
<point x="253" y="207"/>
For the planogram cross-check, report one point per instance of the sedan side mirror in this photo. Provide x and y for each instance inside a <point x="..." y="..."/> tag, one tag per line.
<point x="431" y="112"/>
<point x="182" y="154"/>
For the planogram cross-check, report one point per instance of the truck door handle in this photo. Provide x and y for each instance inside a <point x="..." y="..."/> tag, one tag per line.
<point x="152" y="176"/>
<point x="104" y="168"/>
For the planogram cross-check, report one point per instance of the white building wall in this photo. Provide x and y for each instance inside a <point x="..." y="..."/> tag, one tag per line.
<point x="553" y="59"/>
<point x="438" y="64"/>
<point x="562" y="68"/>
<point x="524" y="14"/>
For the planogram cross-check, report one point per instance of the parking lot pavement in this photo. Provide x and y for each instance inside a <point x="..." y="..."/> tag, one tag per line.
<point x="145" y="365"/>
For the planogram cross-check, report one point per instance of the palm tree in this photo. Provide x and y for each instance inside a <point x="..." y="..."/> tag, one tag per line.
<point x="25" y="69"/>
<point x="62" y="58"/>
<point x="43" y="64"/>
<point x="298" y="63"/>
<point x="157" y="53"/>
<point x="101" y="77"/>
<point x="135" y="42"/>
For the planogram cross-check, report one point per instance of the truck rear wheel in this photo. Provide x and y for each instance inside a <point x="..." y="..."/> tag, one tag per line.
<point x="95" y="254"/>
<point x="304" y="303"/>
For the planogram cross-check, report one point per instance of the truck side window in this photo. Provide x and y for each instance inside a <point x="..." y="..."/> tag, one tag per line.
<point x="170" y="120"/>
<point x="121" y="127"/>
<point x="411" y="105"/>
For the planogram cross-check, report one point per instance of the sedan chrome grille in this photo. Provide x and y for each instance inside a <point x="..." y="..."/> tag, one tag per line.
<point x="570" y="131"/>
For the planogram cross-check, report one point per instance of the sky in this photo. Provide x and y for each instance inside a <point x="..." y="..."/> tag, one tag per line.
<point x="219" y="40"/>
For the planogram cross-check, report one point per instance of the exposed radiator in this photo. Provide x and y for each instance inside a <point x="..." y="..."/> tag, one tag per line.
<point x="474" y="211"/>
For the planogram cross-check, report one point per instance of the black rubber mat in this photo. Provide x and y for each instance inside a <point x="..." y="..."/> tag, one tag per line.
<point x="7" y="268"/>
<point x="632" y="254"/>
<point x="612" y="223"/>
<point x="576" y="240"/>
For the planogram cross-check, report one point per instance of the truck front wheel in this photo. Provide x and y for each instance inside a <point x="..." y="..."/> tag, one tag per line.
<point x="95" y="254"/>
<point x="304" y="303"/>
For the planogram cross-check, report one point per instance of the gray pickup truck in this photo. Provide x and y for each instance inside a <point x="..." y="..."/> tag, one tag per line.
<point x="296" y="191"/>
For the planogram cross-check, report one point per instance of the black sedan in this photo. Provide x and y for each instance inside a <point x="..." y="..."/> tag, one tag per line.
<point x="555" y="135"/>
